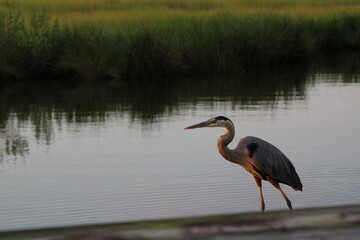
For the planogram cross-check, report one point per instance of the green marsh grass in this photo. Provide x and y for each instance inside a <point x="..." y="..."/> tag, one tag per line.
<point x="128" y="39"/>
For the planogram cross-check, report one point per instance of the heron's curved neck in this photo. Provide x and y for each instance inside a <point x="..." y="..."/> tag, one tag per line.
<point x="223" y="142"/>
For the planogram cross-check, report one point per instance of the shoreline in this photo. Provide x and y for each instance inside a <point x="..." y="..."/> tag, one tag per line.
<point x="166" y="48"/>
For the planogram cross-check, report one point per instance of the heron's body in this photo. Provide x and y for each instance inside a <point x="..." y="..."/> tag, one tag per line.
<point x="258" y="157"/>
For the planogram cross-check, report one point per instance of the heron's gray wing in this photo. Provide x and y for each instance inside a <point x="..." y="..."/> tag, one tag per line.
<point x="267" y="160"/>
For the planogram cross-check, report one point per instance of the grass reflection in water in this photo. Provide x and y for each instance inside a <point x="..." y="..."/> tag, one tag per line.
<point x="48" y="107"/>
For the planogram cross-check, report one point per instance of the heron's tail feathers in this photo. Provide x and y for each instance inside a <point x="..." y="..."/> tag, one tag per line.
<point x="296" y="183"/>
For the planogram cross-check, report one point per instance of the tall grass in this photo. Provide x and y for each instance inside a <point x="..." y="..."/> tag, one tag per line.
<point x="127" y="39"/>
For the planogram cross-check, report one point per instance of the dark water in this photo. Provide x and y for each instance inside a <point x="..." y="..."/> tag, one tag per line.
<point x="96" y="153"/>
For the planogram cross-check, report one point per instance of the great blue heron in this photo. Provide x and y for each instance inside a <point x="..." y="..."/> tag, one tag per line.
<point x="260" y="158"/>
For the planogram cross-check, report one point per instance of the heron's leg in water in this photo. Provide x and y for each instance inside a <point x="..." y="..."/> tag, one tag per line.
<point x="262" y="202"/>
<point x="277" y="186"/>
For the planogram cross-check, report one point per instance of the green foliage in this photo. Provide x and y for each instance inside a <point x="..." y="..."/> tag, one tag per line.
<point x="90" y="54"/>
<point x="12" y="52"/>
<point x="28" y="51"/>
<point x="167" y="45"/>
<point x="149" y="55"/>
<point x="43" y="40"/>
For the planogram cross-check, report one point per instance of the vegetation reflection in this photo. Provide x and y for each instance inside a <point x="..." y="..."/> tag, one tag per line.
<point x="45" y="108"/>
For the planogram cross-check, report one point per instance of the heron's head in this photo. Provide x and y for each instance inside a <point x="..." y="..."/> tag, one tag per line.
<point x="219" y="121"/>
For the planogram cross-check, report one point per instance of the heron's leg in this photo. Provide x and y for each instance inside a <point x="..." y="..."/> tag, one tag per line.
<point x="262" y="202"/>
<point x="277" y="186"/>
<point x="288" y="202"/>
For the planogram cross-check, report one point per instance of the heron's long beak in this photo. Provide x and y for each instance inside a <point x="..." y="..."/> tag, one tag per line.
<point x="199" y="125"/>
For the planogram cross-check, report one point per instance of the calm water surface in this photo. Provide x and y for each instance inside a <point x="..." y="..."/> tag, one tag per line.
<point x="97" y="154"/>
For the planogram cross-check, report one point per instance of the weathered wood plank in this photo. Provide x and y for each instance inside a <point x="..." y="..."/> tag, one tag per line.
<point x="342" y="222"/>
